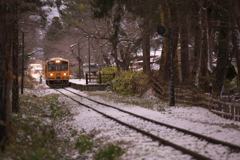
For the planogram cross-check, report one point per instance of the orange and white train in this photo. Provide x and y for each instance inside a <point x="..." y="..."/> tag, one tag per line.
<point x="57" y="72"/>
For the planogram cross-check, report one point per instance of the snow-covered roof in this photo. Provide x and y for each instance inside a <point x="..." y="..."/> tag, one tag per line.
<point x="35" y="65"/>
<point x="157" y="53"/>
<point x="57" y="58"/>
<point x="38" y="68"/>
<point x="87" y="64"/>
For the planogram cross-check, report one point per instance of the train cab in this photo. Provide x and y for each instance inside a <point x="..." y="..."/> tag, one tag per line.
<point x="57" y="72"/>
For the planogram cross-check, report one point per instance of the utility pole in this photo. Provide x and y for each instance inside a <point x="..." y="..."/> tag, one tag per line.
<point x="171" y="82"/>
<point x="161" y="30"/>
<point x="22" y="62"/>
<point x="79" y="61"/>
<point x="89" y="60"/>
<point x="99" y="59"/>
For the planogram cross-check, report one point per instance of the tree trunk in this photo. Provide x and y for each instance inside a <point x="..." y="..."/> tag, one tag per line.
<point x="165" y="57"/>
<point x="234" y="7"/>
<point x="125" y="56"/>
<point x="195" y="23"/>
<point x="203" y="78"/>
<point x="199" y="58"/>
<point x="114" y="54"/>
<point x="185" y="70"/>
<point x="236" y="46"/>
<point x="232" y="52"/>
<point x="106" y="59"/>
<point x="211" y="46"/>
<point x="209" y="67"/>
<point x="235" y="40"/>
<point x="15" y="89"/>
<point x="146" y="53"/>
<point x="222" y="58"/>
<point x="173" y="6"/>
<point x="4" y="79"/>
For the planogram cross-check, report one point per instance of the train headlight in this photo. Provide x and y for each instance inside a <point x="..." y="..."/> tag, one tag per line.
<point x="57" y="61"/>
<point x="65" y="74"/>
<point x="51" y="74"/>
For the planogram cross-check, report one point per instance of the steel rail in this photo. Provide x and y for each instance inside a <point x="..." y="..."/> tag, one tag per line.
<point x="153" y="137"/>
<point x="209" y="139"/>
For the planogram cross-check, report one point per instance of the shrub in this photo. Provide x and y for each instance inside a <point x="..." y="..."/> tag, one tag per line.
<point x="84" y="143"/>
<point x="108" y="70"/>
<point x="33" y="136"/>
<point x="109" y="153"/>
<point x="129" y="83"/>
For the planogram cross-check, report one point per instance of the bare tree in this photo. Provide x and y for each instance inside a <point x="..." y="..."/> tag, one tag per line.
<point x="117" y="38"/>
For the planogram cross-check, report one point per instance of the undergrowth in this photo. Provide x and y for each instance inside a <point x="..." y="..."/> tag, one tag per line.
<point x="28" y="81"/>
<point x="131" y="100"/>
<point x="33" y="135"/>
<point x="109" y="152"/>
<point x="129" y="83"/>
<point x="107" y="74"/>
<point x="86" y="144"/>
<point x="126" y="82"/>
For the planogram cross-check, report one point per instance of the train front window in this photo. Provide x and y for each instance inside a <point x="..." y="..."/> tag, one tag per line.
<point x="62" y="66"/>
<point x="51" y="66"/>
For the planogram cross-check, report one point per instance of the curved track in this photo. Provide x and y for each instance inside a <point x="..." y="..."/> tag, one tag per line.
<point x="154" y="137"/>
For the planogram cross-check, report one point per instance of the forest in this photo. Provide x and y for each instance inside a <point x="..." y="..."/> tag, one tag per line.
<point x="205" y="43"/>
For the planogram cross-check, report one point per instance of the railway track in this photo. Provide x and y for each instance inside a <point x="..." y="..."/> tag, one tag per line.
<point x="197" y="138"/>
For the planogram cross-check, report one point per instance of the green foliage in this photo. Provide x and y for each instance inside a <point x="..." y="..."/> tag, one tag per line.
<point x="83" y="144"/>
<point x="54" y="32"/>
<point x="109" y="153"/>
<point x="232" y="125"/>
<point x="135" y="102"/>
<point x="161" y="109"/>
<point x="159" y="102"/>
<point x="33" y="140"/>
<point x="74" y="133"/>
<point x="31" y="136"/>
<point x="57" y="112"/>
<point x="231" y="73"/>
<point x="108" y="70"/>
<point x="229" y="86"/>
<point x="100" y="8"/>
<point x="129" y="83"/>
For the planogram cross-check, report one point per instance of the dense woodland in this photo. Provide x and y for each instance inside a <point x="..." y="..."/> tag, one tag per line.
<point x="115" y="31"/>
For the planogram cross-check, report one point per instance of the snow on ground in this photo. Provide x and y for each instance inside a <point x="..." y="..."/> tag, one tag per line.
<point x="192" y="118"/>
<point x="77" y="81"/>
<point x="190" y="142"/>
<point x="82" y="81"/>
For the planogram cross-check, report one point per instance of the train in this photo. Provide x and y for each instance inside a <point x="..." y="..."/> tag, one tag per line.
<point x="57" y="72"/>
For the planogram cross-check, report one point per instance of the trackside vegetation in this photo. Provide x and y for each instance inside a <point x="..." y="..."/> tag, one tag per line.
<point x="127" y="82"/>
<point x="37" y="132"/>
<point x="33" y="135"/>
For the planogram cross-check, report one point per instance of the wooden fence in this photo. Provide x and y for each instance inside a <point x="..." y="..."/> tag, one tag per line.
<point x="99" y="77"/>
<point x="227" y="106"/>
